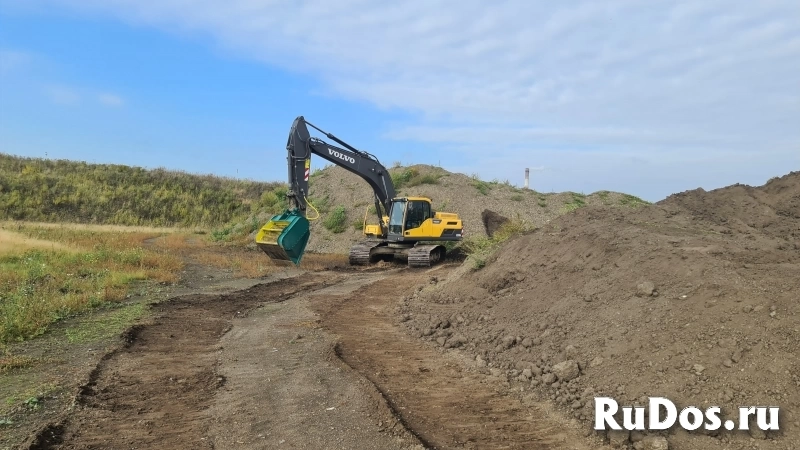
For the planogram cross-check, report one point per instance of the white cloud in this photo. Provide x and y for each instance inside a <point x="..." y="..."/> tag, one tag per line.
<point x="108" y="99"/>
<point x="62" y="95"/>
<point x="704" y="76"/>
<point x="71" y="95"/>
<point x="13" y="60"/>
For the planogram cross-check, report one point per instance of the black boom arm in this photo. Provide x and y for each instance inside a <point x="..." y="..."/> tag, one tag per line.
<point x="301" y="145"/>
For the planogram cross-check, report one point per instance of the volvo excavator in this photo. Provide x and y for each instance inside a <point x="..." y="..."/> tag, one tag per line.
<point x="408" y="228"/>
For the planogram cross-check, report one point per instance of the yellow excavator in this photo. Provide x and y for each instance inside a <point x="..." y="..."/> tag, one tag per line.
<point x="408" y="228"/>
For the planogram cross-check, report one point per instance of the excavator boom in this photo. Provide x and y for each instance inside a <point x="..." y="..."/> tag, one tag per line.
<point x="285" y="236"/>
<point x="300" y="146"/>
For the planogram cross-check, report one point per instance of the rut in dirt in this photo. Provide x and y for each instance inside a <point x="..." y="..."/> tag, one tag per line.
<point x="443" y="404"/>
<point x="155" y="390"/>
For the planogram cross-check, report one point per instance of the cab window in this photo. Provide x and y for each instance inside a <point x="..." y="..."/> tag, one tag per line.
<point x="417" y="212"/>
<point x="396" y="217"/>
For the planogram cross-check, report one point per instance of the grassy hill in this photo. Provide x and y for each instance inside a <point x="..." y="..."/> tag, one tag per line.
<point x="344" y="199"/>
<point x="348" y="198"/>
<point x="69" y="191"/>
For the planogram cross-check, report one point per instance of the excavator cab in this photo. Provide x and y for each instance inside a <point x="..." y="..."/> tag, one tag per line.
<point x="407" y="214"/>
<point x="285" y="236"/>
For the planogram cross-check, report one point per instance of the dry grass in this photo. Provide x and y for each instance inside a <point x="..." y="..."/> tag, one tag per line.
<point x="9" y="224"/>
<point x="255" y="264"/>
<point x="213" y="259"/>
<point x="79" y="268"/>
<point x="9" y="361"/>
<point x="178" y="241"/>
<point x="16" y="243"/>
<point x="54" y="271"/>
<point x="252" y="265"/>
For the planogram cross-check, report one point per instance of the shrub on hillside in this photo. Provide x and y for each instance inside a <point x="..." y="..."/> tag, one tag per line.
<point x="479" y="248"/>
<point x="336" y="221"/>
<point x="411" y="177"/>
<point x="577" y="201"/>
<point x="482" y="186"/>
<point x="632" y="201"/>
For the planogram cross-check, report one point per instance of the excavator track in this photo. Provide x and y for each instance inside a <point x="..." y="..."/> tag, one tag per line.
<point x="360" y="253"/>
<point x="423" y="255"/>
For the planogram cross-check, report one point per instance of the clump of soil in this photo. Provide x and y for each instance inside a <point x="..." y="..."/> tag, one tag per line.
<point x="693" y="299"/>
<point x="492" y="221"/>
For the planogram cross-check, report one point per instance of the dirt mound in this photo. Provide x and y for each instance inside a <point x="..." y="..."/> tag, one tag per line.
<point x="693" y="299"/>
<point x="334" y="187"/>
<point x="772" y="209"/>
<point x="492" y="221"/>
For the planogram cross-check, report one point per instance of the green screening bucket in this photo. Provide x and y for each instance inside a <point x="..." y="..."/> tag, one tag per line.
<point x="284" y="237"/>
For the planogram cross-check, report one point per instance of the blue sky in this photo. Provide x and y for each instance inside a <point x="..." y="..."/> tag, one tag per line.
<point x="648" y="98"/>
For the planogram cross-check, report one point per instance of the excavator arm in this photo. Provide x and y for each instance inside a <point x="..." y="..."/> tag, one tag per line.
<point x="414" y="231"/>
<point x="285" y="236"/>
<point x="300" y="145"/>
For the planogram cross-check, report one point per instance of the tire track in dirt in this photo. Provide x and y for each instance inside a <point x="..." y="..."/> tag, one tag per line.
<point x="436" y="397"/>
<point x="286" y="388"/>
<point x="154" y="391"/>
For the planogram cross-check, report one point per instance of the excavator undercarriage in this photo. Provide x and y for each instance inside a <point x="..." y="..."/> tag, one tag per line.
<point x="417" y="254"/>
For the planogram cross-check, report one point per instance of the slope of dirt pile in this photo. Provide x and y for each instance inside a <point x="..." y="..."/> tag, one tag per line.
<point x="450" y="192"/>
<point x="440" y="397"/>
<point x="772" y="210"/>
<point x="694" y="299"/>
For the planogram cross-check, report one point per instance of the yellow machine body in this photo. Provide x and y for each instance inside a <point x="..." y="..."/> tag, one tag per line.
<point x="433" y="227"/>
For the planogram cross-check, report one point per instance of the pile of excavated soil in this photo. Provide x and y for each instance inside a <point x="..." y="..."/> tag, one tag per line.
<point x="492" y="222"/>
<point x="695" y="298"/>
<point x="452" y="192"/>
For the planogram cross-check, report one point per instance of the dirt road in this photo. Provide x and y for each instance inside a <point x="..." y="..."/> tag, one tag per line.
<point x="308" y="362"/>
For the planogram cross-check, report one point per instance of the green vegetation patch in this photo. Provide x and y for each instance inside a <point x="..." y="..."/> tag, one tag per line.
<point x="479" y="248"/>
<point x="482" y="186"/>
<point x="603" y="196"/>
<point x="541" y="200"/>
<point x="632" y="201"/>
<point x="357" y="224"/>
<point x="411" y="177"/>
<point x="38" y="288"/>
<point x="271" y="202"/>
<point x="105" y="324"/>
<point x="336" y="221"/>
<point x="576" y="201"/>
<point x="70" y="191"/>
